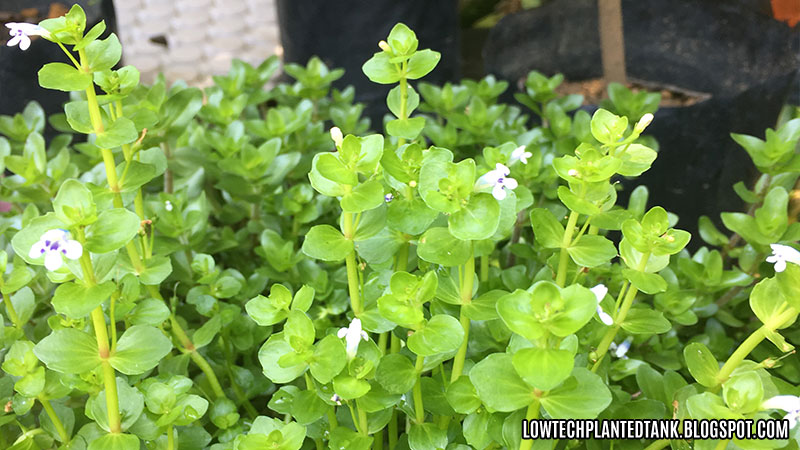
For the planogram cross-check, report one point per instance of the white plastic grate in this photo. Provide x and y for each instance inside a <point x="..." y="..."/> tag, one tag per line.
<point x="203" y="36"/>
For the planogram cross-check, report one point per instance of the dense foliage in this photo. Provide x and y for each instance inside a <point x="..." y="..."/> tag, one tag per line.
<point x="246" y="268"/>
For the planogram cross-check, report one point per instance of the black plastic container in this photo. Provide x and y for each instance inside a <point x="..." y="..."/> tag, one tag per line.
<point x="745" y="60"/>
<point x="345" y="33"/>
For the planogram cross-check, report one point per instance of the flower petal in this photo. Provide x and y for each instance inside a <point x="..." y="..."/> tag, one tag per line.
<point x="14" y="41"/>
<point x="53" y="261"/>
<point x="604" y="317"/>
<point x="72" y="249"/>
<point x="510" y="183"/>
<point x="498" y="192"/>
<point x="37" y="250"/>
<point x="53" y="235"/>
<point x="780" y="265"/>
<point x="342" y="333"/>
<point x="787" y="403"/>
<point x="24" y="42"/>
<point x="599" y="292"/>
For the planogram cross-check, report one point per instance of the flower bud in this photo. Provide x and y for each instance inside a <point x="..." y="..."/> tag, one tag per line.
<point x="643" y="123"/>
<point x="412" y="183"/>
<point x="336" y="135"/>
<point x="573" y="173"/>
<point x="384" y="46"/>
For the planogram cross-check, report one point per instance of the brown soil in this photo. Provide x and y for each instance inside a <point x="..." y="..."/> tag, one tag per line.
<point x="594" y="91"/>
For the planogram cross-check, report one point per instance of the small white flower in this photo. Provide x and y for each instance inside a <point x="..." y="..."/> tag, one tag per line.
<point x="336" y="399"/>
<point x="499" y="180"/>
<point x="20" y="33"/>
<point x="643" y="123"/>
<point x="788" y="403"/>
<point x="781" y="254"/>
<point x="352" y="336"/>
<point x="168" y="205"/>
<point x="336" y="135"/>
<point x="600" y="292"/>
<point x="573" y="173"/>
<point x="621" y="349"/>
<point x="52" y="245"/>
<point x="388" y="197"/>
<point x="519" y="154"/>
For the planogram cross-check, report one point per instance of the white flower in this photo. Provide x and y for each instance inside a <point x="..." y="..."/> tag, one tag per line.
<point x="621" y="349"/>
<point x="643" y="123"/>
<point x="168" y="205"/>
<point x="519" y="154"/>
<point x="336" y="399"/>
<point x="781" y="254"/>
<point x="336" y="135"/>
<point x="788" y="403"/>
<point x="600" y="292"/>
<point x="499" y="180"/>
<point x="352" y="336"/>
<point x="20" y="33"/>
<point x="388" y="197"/>
<point x="52" y="245"/>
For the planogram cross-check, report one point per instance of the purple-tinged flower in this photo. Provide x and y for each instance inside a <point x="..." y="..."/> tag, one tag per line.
<point x="53" y="245"/>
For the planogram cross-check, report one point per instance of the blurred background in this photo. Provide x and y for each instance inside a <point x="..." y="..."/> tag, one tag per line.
<point x="721" y="66"/>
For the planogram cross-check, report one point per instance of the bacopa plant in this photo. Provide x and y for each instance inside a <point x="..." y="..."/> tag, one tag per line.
<point x="245" y="268"/>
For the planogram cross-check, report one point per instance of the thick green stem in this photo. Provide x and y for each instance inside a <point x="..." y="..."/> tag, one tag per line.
<point x="402" y="258"/>
<point x="352" y="267"/>
<point x="619" y="317"/>
<point x="362" y="420"/>
<point x="109" y="377"/>
<point x="51" y="413"/>
<point x="170" y="438"/>
<point x="563" y="260"/>
<point x="466" y="298"/>
<point x="752" y="341"/>
<point x="531" y="414"/>
<point x="210" y="375"/>
<point x="392" y="430"/>
<point x="419" y="409"/>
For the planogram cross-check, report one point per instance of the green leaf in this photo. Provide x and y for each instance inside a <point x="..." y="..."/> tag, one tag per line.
<point x="363" y="197"/>
<point x="789" y="283"/>
<point x="139" y="349"/>
<point x="205" y="334"/>
<point x="498" y="385"/>
<point x="543" y="368"/>
<point x="268" y="355"/>
<point x="701" y="364"/>
<point x="329" y="359"/>
<point x="547" y="230"/>
<point x="477" y="220"/>
<point x="137" y="174"/>
<point x="744" y="392"/>
<point x="121" y="131"/>
<point x="422" y="63"/>
<point x="636" y="159"/>
<point x="583" y="396"/>
<point x="115" y="441"/>
<point x="441" y="334"/>
<point x="767" y="298"/>
<point x="63" y="77"/>
<point x="462" y="396"/>
<point x="380" y="70"/>
<point x="113" y="229"/>
<point x="592" y="251"/>
<point x="396" y="373"/>
<point x="649" y="283"/>
<point x="405" y="128"/>
<point x="349" y="388"/>
<point x="646" y="321"/>
<point x="149" y="312"/>
<point x="438" y="246"/>
<point x="427" y="436"/>
<point x="332" y="168"/>
<point x="326" y="243"/>
<point x="103" y="54"/>
<point x="68" y="351"/>
<point x="608" y="128"/>
<point x="76" y="300"/>
<point x="74" y="204"/>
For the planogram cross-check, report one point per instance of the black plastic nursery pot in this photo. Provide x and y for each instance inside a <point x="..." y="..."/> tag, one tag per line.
<point x="745" y="61"/>
<point x="18" y="81"/>
<point x="345" y="33"/>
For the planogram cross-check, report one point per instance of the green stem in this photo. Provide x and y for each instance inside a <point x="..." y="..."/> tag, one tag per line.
<point x="458" y="361"/>
<point x="109" y="377"/>
<point x="170" y="438"/>
<point x="392" y="430"/>
<point x="352" y="267"/>
<point x="563" y="260"/>
<point x="619" y="317"/>
<point x="484" y="268"/>
<point x="51" y="413"/>
<point x="362" y="420"/>
<point x="332" y="421"/>
<point x="419" y="409"/>
<point x="12" y="313"/>
<point x="402" y="258"/>
<point x="531" y="414"/>
<point x="658" y="445"/>
<point x="210" y="375"/>
<point x="751" y="343"/>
